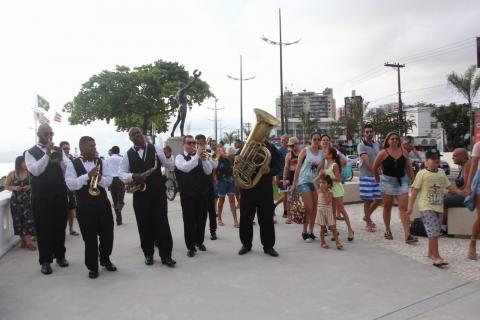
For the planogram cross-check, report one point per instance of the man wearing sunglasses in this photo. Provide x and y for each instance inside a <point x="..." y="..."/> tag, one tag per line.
<point x="193" y="171"/>
<point x="369" y="189"/>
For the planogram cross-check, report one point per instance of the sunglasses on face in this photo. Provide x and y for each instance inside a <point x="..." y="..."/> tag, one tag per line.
<point x="368" y="131"/>
<point x="191" y="143"/>
<point x="316" y="139"/>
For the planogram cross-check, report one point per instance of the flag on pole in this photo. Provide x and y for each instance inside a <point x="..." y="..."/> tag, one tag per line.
<point x="40" y="117"/>
<point x="57" y="117"/>
<point x="42" y="103"/>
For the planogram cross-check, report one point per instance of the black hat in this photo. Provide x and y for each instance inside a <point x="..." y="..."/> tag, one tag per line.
<point x="433" y="154"/>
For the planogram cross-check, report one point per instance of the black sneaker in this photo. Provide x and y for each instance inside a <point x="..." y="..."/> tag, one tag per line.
<point x="312" y="236"/>
<point x="305" y="236"/>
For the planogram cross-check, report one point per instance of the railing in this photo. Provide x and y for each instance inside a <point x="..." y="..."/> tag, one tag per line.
<point x="7" y="237"/>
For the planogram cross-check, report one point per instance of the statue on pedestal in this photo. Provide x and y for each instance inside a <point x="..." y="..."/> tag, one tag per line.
<point x="183" y="102"/>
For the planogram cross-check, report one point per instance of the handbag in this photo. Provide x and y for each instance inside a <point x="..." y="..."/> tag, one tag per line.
<point x="417" y="228"/>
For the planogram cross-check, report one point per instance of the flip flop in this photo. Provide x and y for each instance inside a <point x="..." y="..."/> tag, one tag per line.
<point x="74" y="233"/>
<point x="440" y="264"/>
<point x="325" y="246"/>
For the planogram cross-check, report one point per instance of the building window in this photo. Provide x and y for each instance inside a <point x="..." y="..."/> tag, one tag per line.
<point x="434" y="125"/>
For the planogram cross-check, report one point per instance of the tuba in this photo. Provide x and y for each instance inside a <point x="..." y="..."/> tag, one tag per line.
<point x="93" y="190"/>
<point x="133" y="187"/>
<point x="254" y="154"/>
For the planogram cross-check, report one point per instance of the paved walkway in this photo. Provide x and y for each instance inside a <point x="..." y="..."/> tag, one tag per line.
<point x="367" y="280"/>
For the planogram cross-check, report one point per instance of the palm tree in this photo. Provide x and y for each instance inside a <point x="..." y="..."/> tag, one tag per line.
<point x="307" y="124"/>
<point x="229" y="137"/>
<point x="467" y="85"/>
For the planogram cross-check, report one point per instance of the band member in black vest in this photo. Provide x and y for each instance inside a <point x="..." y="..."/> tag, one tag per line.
<point x="46" y="166"/>
<point x="212" y="214"/>
<point x="193" y="171"/>
<point x="150" y="206"/>
<point x="88" y="176"/>
<point x="259" y="199"/>
<point x="117" y="189"/>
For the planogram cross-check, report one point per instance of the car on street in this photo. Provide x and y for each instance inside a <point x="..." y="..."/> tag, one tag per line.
<point x="352" y="160"/>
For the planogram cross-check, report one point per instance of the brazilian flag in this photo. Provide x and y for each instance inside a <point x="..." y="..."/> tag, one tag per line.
<point x="42" y="103"/>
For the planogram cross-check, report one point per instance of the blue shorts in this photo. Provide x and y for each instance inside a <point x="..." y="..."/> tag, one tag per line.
<point x="369" y="189"/>
<point x="453" y="201"/>
<point x="390" y="186"/>
<point x="225" y="187"/>
<point x="305" y="187"/>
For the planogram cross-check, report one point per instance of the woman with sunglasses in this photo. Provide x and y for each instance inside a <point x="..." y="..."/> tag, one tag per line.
<point x="291" y="161"/>
<point x="396" y="171"/>
<point x="310" y="161"/>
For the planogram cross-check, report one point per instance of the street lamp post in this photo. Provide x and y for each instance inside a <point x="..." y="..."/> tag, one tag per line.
<point x="280" y="43"/>
<point x="241" y="79"/>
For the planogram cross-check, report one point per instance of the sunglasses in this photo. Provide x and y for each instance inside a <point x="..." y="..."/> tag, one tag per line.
<point x="191" y="143"/>
<point x="368" y="131"/>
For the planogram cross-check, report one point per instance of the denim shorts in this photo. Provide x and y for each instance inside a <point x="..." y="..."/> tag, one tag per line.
<point x="305" y="187"/>
<point x="225" y="187"/>
<point x="389" y="185"/>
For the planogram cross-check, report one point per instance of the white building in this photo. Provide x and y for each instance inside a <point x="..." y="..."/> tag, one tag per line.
<point x="427" y="131"/>
<point x="321" y="107"/>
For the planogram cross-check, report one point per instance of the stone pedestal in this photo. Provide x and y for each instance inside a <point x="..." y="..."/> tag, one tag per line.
<point x="176" y="143"/>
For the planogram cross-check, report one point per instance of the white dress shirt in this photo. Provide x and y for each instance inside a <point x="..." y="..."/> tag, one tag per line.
<point x="37" y="167"/>
<point x="75" y="182"/>
<point x="114" y="164"/>
<point x="126" y="176"/>
<point x="187" y="166"/>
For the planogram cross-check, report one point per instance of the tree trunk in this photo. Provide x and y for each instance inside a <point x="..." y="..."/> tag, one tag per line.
<point x="145" y="125"/>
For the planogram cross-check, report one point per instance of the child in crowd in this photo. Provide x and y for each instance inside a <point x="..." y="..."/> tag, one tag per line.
<point x="430" y="184"/>
<point x="324" y="212"/>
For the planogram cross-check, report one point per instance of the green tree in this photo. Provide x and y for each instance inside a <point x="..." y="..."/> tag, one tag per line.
<point x="307" y="124"/>
<point x="384" y="123"/>
<point x="336" y="128"/>
<point x="467" y="85"/>
<point x="454" y="120"/>
<point x="229" y="137"/>
<point x="134" y="97"/>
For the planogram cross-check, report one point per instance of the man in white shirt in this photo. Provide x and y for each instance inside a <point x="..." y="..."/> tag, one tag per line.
<point x="94" y="212"/>
<point x="117" y="189"/>
<point x="150" y="206"/>
<point x="193" y="172"/>
<point x="46" y="165"/>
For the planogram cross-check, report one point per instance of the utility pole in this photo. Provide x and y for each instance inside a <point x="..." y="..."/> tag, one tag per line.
<point x="215" y="118"/>
<point x="241" y="79"/>
<point x="400" y="107"/>
<point x="248" y="126"/>
<point x="280" y="43"/>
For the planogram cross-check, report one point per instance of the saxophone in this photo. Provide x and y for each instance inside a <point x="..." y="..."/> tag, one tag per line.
<point x="133" y="187"/>
<point x="254" y="154"/>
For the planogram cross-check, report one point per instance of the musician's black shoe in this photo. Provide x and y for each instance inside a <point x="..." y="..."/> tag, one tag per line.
<point x="271" y="252"/>
<point x="119" y="220"/>
<point x="202" y="247"/>
<point x="213" y="235"/>
<point x="108" y="265"/>
<point x="169" y="262"/>
<point x="149" y="260"/>
<point x="46" y="268"/>
<point x="62" y="262"/>
<point x="244" y="250"/>
<point x="93" y="274"/>
<point x="191" y="253"/>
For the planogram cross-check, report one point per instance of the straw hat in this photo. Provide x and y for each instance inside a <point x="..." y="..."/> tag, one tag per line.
<point x="292" y="140"/>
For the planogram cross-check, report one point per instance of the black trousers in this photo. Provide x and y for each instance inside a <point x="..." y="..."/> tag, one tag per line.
<point x="194" y="211"/>
<point x="50" y="217"/>
<point x="152" y="221"/>
<point x="261" y="202"/>
<point x="117" y="190"/>
<point x="212" y="214"/>
<point x="96" y="222"/>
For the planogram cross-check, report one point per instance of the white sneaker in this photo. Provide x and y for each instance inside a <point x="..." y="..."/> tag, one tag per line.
<point x="308" y="240"/>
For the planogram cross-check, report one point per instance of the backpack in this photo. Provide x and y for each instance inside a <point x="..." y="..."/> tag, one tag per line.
<point x="417" y="228"/>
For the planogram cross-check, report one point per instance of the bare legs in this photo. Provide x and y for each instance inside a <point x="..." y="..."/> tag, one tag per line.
<point x="341" y="211"/>
<point x="369" y="207"/>
<point x="402" y="208"/>
<point x="323" y="243"/>
<point x="472" y="249"/>
<point x="310" y="200"/>
<point x="71" y="218"/>
<point x="231" y="201"/>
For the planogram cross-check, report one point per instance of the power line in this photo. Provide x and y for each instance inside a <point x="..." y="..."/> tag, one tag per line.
<point x="453" y="44"/>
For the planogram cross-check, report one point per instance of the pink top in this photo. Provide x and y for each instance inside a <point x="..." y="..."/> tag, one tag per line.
<point x="324" y="200"/>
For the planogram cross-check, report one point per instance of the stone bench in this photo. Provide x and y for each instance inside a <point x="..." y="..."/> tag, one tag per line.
<point x="352" y="192"/>
<point x="460" y="221"/>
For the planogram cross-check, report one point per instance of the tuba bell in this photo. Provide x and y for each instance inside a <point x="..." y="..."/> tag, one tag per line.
<point x="254" y="154"/>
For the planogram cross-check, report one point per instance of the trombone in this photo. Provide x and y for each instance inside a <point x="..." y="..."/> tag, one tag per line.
<point x="94" y="190"/>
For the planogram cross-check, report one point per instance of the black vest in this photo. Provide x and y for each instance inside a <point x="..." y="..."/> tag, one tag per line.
<point x="155" y="181"/>
<point x="51" y="182"/>
<point x="194" y="182"/>
<point x="82" y="194"/>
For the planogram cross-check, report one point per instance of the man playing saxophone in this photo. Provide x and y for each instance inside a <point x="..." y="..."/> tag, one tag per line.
<point x="150" y="206"/>
<point x="89" y="177"/>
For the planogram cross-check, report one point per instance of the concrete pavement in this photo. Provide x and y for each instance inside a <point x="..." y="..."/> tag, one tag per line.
<point x="364" y="281"/>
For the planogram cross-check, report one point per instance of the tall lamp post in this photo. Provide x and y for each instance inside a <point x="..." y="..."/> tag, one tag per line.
<point x="280" y="43"/>
<point x="241" y="79"/>
<point x="215" y="119"/>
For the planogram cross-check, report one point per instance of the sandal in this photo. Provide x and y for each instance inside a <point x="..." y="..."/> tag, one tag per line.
<point x="325" y="245"/>
<point x="472" y="253"/>
<point x="411" y="239"/>
<point x="220" y="222"/>
<point x="74" y="233"/>
<point x="339" y="246"/>
<point x="31" y="247"/>
<point x="350" y="239"/>
<point x="236" y="225"/>
<point x="388" y="235"/>
<point x="288" y="221"/>
<point x="440" y="264"/>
